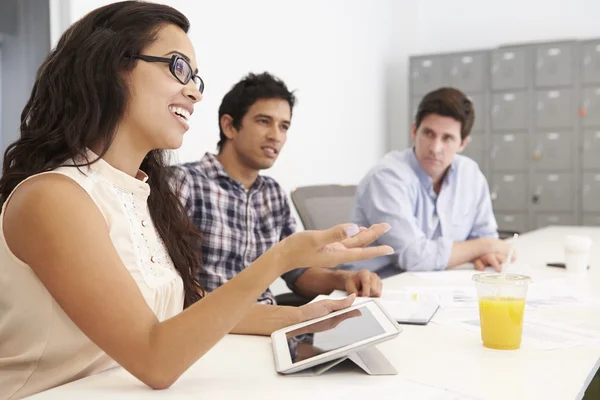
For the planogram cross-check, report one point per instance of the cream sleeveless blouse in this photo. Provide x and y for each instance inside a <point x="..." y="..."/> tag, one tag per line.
<point x="40" y="347"/>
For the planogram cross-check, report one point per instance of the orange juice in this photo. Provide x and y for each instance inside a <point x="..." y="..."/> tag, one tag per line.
<point x="501" y="321"/>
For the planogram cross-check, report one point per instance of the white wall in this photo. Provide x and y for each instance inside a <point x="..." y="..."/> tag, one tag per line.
<point x="458" y="25"/>
<point x="335" y="53"/>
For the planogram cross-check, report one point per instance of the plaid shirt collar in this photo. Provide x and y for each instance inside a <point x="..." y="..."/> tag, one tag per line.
<point x="215" y="170"/>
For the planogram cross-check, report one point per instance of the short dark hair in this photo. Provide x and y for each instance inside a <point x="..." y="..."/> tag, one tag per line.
<point x="248" y="91"/>
<point x="448" y="102"/>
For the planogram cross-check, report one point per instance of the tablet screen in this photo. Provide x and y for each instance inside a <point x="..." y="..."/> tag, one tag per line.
<point x="332" y="333"/>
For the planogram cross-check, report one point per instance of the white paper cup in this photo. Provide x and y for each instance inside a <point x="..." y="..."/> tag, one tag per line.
<point x="577" y="253"/>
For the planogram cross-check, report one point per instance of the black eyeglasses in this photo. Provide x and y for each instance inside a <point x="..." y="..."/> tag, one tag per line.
<point x="179" y="67"/>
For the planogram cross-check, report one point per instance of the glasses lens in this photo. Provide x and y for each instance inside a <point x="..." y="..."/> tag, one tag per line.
<point x="182" y="70"/>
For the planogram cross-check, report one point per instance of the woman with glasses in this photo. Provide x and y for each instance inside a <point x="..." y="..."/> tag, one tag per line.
<point x="98" y="259"/>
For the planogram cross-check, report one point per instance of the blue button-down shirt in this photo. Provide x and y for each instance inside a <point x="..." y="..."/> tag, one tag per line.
<point x="424" y="224"/>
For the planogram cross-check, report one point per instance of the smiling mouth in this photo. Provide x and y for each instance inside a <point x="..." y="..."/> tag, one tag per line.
<point x="270" y="151"/>
<point x="181" y="114"/>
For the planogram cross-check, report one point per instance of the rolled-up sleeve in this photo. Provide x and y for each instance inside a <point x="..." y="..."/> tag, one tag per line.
<point x="388" y="197"/>
<point x="485" y="224"/>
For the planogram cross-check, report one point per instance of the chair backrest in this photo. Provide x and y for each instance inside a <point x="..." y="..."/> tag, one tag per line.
<point x="324" y="206"/>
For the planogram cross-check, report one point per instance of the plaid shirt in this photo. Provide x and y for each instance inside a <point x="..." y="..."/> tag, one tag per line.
<point x="237" y="225"/>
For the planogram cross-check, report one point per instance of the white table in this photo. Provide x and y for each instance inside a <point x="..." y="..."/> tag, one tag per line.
<point x="438" y="355"/>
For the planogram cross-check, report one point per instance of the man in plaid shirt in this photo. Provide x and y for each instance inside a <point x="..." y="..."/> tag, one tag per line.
<point x="242" y="214"/>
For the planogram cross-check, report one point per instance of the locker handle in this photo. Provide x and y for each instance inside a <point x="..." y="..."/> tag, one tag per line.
<point x="494" y="193"/>
<point x="535" y="199"/>
<point x="537" y="153"/>
<point x="493" y="151"/>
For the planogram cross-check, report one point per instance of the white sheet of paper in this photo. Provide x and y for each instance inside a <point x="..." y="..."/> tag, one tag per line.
<point x="402" y="306"/>
<point x="464" y="273"/>
<point x="552" y="293"/>
<point x="546" y="335"/>
<point x="448" y="276"/>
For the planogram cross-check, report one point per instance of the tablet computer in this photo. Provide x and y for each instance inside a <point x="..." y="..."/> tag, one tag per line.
<point x="334" y="336"/>
<point x="403" y="306"/>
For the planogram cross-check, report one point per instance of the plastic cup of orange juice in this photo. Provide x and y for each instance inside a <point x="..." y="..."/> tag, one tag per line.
<point x="501" y="308"/>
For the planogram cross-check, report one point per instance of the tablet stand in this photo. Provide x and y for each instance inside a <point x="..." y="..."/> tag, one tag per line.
<point x="368" y="359"/>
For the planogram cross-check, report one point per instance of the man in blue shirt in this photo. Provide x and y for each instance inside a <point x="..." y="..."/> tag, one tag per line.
<point x="436" y="200"/>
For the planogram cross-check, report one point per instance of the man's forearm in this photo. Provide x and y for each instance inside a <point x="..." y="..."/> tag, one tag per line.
<point x="264" y="319"/>
<point x="467" y="251"/>
<point x="316" y="281"/>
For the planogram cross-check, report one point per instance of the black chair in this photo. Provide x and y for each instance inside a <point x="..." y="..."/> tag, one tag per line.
<point x="506" y="234"/>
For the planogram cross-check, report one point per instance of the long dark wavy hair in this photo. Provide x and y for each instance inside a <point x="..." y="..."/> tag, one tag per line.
<point x="77" y="101"/>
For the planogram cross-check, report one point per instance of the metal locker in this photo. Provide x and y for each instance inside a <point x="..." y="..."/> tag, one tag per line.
<point x="508" y="68"/>
<point x="508" y="152"/>
<point x="554" y="64"/>
<point x="551" y="151"/>
<point x="414" y="107"/>
<point x="591" y="106"/>
<point x="554" y="108"/>
<point x="509" y="111"/>
<point x="511" y="222"/>
<point x="591" y="149"/>
<point x="591" y="192"/>
<point x="480" y="111"/>
<point x="466" y="72"/>
<point x="475" y="148"/>
<point x="509" y="192"/>
<point x="591" y="220"/>
<point x="552" y="192"/>
<point x="543" y="220"/>
<point x="590" y="63"/>
<point x="425" y="74"/>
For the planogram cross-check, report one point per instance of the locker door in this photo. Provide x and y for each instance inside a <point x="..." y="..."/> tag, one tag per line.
<point x="426" y="74"/>
<point x="509" y="111"/>
<point x="509" y="69"/>
<point x="509" y="152"/>
<point x="509" y="192"/>
<point x="548" y="219"/>
<point x="551" y="151"/>
<point x="591" y="105"/>
<point x="591" y="149"/>
<point x="554" y="108"/>
<point x="475" y="149"/>
<point x="467" y="71"/>
<point x="511" y="222"/>
<point x="591" y="62"/>
<point x="553" y="66"/>
<point x="480" y="111"/>
<point x="591" y="192"/>
<point x="552" y="192"/>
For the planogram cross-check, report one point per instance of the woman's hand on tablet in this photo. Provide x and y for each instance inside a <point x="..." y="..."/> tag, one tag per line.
<point x="320" y="308"/>
<point x="328" y="248"/>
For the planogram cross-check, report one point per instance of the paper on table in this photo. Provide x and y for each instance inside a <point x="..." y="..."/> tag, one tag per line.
<point x="446" y="296"/>
<point x="402" y="306"/>
<point x="546" y="335"/>
<point x="448" y="276"/>
<point x="558" y="293"/>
